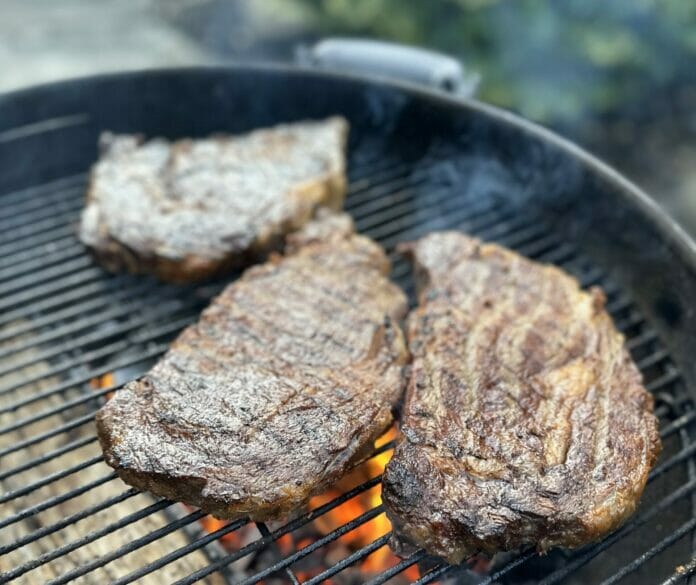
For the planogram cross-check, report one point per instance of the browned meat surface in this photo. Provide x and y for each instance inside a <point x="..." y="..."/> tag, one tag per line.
<point x="191" y="209"/>
<point x="525" y="420"/>
<point x="281" y="387"/>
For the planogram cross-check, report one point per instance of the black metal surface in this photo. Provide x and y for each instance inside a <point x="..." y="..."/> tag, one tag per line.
<point x="418" y="163"/>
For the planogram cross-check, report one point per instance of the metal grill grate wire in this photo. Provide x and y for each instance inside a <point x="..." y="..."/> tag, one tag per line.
<point x="57" y="307"/>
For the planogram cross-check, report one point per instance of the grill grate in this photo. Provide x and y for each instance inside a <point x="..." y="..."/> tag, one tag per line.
<point x="64" y="323"/>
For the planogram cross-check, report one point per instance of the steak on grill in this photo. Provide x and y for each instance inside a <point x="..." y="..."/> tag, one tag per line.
<point x="283" y="384"/>
<point x="525" y="419"/>
<point x="192" y="209"/>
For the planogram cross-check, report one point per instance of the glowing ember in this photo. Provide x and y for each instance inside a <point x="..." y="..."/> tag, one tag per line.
<point x="210" y="524"/>
<point x="382" y="558"/>
<point x="103" y="381"/>
<point x="361" y="536"/>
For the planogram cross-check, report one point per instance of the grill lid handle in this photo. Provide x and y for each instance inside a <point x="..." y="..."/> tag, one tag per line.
<point x="391" y="60"/>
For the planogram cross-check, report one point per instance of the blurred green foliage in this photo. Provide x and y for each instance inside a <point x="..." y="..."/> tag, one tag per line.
<point x="552" y="61"/>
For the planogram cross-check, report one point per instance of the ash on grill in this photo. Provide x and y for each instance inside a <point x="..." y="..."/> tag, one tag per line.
<point x="80" y="446"/>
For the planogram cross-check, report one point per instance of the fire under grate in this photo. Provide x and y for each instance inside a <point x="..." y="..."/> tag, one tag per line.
<point x="70" y="334"/>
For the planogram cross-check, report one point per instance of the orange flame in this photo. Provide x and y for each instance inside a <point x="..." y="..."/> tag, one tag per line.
<point x="211" y="524"/>
<point x="361" y="536"/>
<point x="375" y="563"/>
<point x="382" y="558"/>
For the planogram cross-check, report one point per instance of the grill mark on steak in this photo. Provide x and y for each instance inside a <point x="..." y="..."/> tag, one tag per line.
<point x="525" y="420"/>
<point x="270" y="397"/>
<point x="193" y="209"/>
<point x="299" y="319"/>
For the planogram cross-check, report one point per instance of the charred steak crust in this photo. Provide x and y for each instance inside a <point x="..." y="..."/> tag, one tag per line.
<point x="193" y="209"/>
<point x="525" y="419"/>
<point x="281" y="387"/>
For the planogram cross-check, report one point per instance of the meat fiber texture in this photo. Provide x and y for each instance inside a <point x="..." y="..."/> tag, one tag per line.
<point x="525" y="420"/>
<point x="194" y="209"/>
<point x="279" y="389"/>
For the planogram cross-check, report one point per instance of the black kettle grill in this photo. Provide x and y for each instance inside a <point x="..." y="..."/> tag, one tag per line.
<point x="419" y="160"/>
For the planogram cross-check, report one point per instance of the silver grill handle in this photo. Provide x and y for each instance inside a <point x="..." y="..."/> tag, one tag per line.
<point x="393" y="61"/>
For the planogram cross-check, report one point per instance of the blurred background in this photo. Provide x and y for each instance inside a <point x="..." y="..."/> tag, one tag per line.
<point x="617" y="77"/>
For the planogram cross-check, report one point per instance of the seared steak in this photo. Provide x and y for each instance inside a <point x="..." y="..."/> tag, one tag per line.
<point x="191" y="209"/>
<point x="525" y="420"/>
<point x="281" y="387"/>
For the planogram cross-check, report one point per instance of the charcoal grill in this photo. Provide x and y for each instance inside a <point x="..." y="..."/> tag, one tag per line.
<point x="71" y="333"/>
